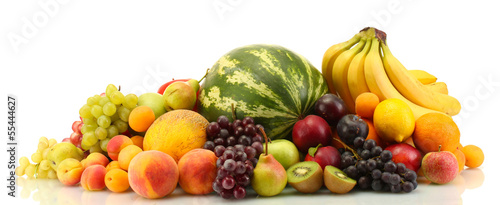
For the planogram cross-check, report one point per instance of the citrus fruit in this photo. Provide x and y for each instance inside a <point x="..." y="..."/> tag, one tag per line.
<point x="393" y="120"/>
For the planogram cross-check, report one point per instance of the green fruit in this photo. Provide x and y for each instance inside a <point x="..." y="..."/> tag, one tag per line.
<point x="179" y="95"/>
<point x="270" y="83"/>
<point x="153" y="101"/>
<point x="61" y="151"/>
<point x="284" y="151"/>
<point x="306" y="177"/>
<point x="337" y="181"/>
<point x="269" y="177"/>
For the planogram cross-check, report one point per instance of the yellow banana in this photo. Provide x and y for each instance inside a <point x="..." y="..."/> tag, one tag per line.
<point x="339" y="74"/>
<point x="423" y="76"/>
<point x="331" y="55"/>
<point x="413" y="89"/>
<point x="356" y="73"/>
<point x="439" y="87"/>
<point x="378" y="82"/>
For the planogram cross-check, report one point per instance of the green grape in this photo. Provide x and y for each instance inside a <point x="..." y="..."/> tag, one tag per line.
<point x="96" y="111"/>
<point x="123" y="113"/>
<point x="92" y="101"/>
<point x="30" y="170"/>
<point x="42" y="145"/>
<point x="43" y="139"/>
<point x="41" y="174"/>
<point x="44" y="153"/>
<point x="36" y="157"/>
<point x="101" y="133"/>
<point x="52" y="174"/>
<point x="90" y="121"/>
<point x="52" y="142"/>
<point x="104" y="144"/>
<point x="130" y="101"/>
<point x="122" y="126"/>
<point x="112" y="131"/>
<point x="44" y="164"/>
<point x="96" y="148"/>
<point x="103" y="101"/>
<point x="85" y="111"/>
<point x="20" y="171"/>
<point x="88" y="128"/>
<point x="109" y="109"/>
<point x="89" y="139"/>
<point x="24" y="161"/>
<point x="110" y="89"/>
<point x="104" y="121"/>
<point x="115" y="116"/>
<point x="117" y="97"/>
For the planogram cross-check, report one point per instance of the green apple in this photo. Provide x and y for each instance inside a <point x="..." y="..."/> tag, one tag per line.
<point x="154" y="101"/>
<point x="179" y="95"/>
<point x="284" y="151"/>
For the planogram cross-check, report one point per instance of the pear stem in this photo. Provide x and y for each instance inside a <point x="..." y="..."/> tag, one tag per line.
<point x="119" y="87"/>
<point x="265" y="137"/>
<point x="204" y="75"/>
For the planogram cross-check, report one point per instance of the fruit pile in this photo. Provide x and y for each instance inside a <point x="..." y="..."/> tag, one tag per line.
<point x="364" y="122"/>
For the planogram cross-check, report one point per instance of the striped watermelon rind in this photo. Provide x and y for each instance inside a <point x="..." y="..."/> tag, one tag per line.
<point x="270" y="83"/>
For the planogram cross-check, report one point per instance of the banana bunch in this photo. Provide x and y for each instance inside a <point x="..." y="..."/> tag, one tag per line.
<point x="365" y="64"/>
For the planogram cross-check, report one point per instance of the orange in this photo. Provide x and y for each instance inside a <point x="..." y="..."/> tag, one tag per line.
<point x="141" y="118"/>
<point x="372" y="134"/>
<point x="461" y="159"/>
<point x="365" y="104"/>
<point x="474" y="156"/>
<point x="434" y="129"/>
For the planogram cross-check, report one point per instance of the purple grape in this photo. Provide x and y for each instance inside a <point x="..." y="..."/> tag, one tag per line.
<point x="400" y="168"/>
<point x="377" y="185"/>
<point x="249" y="168"/>
<point x="231" y="141"/>
<point x="369" y="144"/>
<point x="257" y="138"/>
<point x="236" y="123"/>
<point x="371" y="164"/>
<point x="365" y="154"/>
<point x="258" y="147"/>
<point x="386" y="155"/>
<point x="376" y="174"/>
<point x="240" y="168"/>
<point x="243" y="180"/>
<point x="250" y="151"/>
<point x="219" y="150"/>
<point x="222" y="172"/>
<point x="228" y="154"/>
<point x="239" y="131"/>
<point x="254" y="161"/>
<point x="247" y="121"/>
<point x="240" y="156"/>
<point x="213" y="129"/>
<point x="358" y="142"/>
<point x="396" y="188"/>
<point x="390" y="166"/>
<point x="407" y="186"/>
<point x="219" y="162"/>
<point x="219" y="141"/>
<point x="210" y="145"/>
<point x="239" y="192"/>
<point x="217" y="186"/>
<point x="244" y="140"/>
<point x="394" y="179"/>
<point x="223" y="121"/>
<point x="386" y="176"/>
<point x="224" y="133"/>
<point x="351" y="171"/>
<point x="410" y="175"/>
<point x="258" y="126"/>
<point x="250" y="130"/>
<point x="226" y="194"/>
<point x="375" y="151"/>
<point x="229" y="165"/>
<point x="364" y="182"/>
<point x="239" y="147"/>
<point x="228" y="182"/>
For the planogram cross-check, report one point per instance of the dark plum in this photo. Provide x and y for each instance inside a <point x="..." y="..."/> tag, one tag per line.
<point x="350" y="127"/>
<point x="331" y="108"/>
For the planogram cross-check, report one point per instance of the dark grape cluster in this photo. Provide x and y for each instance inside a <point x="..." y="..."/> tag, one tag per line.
<point x="373" y="168"/>
<point x="237" y="145"/>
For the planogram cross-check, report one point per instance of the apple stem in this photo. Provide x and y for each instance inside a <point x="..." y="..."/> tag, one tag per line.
<point x="265" y="137"/>
<point x="204" y="75"/>
<point x="439" y="149"/>
<point x="349" y="148"/>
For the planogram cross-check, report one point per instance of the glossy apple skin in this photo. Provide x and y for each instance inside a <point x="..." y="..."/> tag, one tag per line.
<point x="310" y="132"/>
<point x="407" y="155"/>
<point x="331" y="108"/>
<point x="325" y="156"/>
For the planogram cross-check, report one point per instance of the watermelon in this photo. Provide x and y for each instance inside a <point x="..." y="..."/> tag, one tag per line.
<point x="270" y="83"/>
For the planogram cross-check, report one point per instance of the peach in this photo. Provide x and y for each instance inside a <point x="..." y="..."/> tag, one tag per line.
<point x="197" y="171"/>
<point x="95" y="158"/>
<point x="112" y="165"/>
<point x="117" y="180"/>
<point x="137" y="140"/>
<point x="70" y="171"/>
<point x="153" y="174"/>
<point x="126" y="156"/>
<point x="116" y="144"/>
<point x="93" y="178"/>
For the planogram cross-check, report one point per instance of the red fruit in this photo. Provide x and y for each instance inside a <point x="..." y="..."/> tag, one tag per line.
<point x="310" y="132"/>
<point x="162" y="88"/>
<point x="75" y="126"/>
<point x="75" y="138"/>
<point x="67" y="139"/>
<point x="406" y="154"/>
<point x="324" y="156"/>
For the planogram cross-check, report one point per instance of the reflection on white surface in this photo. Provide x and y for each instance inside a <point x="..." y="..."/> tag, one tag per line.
<point x="48" y="191"/>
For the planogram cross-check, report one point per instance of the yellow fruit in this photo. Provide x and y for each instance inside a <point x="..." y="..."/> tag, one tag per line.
<point x="176" y="133"/>
<point x="393" y="120"/>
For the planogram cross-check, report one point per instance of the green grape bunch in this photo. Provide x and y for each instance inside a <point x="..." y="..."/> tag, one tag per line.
<point x="40" y="168"/>
<point x="105" y="116"/>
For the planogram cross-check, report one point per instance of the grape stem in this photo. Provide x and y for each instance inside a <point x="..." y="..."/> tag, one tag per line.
<point x="36" y="170"/>
<point x="233" y="110"/>
<point x="265" y="137"/>
<point x="349" y="148"/>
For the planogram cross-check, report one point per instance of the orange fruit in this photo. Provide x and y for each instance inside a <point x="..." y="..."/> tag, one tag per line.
<point x="141" y="118"/>
<point x="434" y="129"/>
<point x="461" y="159"/>
<point x="365" y="104"/>
<point x="372" y="134"/>
<point x="474" y="156"/>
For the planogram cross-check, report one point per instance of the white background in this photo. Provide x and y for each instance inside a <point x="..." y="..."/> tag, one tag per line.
<point x="75" y="49"/>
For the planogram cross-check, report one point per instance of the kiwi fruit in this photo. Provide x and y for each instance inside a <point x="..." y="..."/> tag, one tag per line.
<point x="305" y="177"/>
<point x="337" y="181"/>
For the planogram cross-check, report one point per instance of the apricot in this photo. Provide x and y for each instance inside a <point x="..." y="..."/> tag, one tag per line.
<point x="138" y="140"/>
<point x="197" y="171"/>
<point x="153" y="174"/>
<point x="113" y="165"/>
<point x="365" y="104"/>
<point x="141" y="118"/>
<point x="70" y="171"/>
<point x="93" y="178"/>
<point x="474" y="156"/>
<point x="116" y="144"/>
<point x="126" y="156"/>
<point x="95" y="158"/>
<point x="116" y="180"/>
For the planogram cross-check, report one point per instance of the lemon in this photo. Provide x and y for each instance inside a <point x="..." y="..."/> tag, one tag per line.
<point x="393" y="120"/>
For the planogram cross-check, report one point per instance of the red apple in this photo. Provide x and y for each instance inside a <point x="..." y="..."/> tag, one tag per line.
<point x="310" y="132"/>
<point x="324" y="156"/>
<point x="440" y="167"/>
<point x="406" y="154"/>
